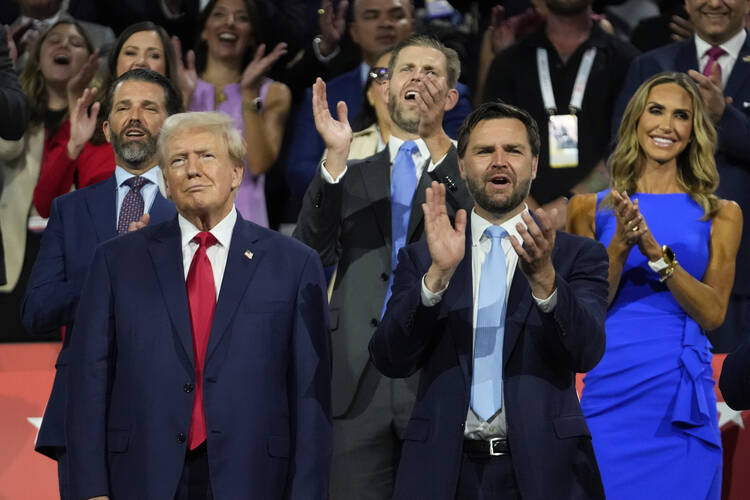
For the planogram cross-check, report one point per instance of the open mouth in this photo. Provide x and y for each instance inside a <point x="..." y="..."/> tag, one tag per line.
<point x="499" y="180"/>
<point x="61" y="59"/>
<point x="662" y="141"/>
<point x="411" y="95"/>
<point x="135" y="133"/>
<point x="227" y="37"/>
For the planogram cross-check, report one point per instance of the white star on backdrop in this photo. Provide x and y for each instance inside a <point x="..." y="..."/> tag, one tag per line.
<point x="726" y="415"/>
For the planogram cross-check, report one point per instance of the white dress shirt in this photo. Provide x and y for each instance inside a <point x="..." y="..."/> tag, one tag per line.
<point x="726" y="62"/>
<point x="476" y="427"/>
<point x="217" y="254"/>
<point x="421" y="156"/>
<point x="148" y="191"/>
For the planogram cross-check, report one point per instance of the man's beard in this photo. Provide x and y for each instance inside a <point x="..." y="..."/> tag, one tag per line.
<point x="134" y="152"/>
<point x="407" y="125"/>
<point x="497" y="208"/>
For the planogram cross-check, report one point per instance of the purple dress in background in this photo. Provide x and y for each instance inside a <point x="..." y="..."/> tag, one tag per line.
<point x="251" y="197"/>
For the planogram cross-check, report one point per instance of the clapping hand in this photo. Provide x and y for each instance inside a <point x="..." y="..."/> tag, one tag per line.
<point x="332" y="25"/>
<point x="535" y="250"/>
<point x="187" y="76"/>
<point x="447" y="244"/>
<point x="140" y="223"/>
<point x="81" y="80"/>
<point x="252" y="77"/>
<point x="712" y="91"/>
<point x="337" y="134"/>
<point x="433" y="99"/>
<point x="630" y="223"/>
<point x="83" y="119"/>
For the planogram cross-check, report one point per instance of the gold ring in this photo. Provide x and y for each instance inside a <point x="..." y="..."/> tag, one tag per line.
<point x="321" y="12"/>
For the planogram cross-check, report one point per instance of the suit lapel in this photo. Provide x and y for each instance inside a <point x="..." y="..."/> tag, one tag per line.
<point x="238" y="273"/>
<point x="376" y="179"/>
<point x="519" y="305"/>
<point x="740" y="73"/>
<point x="687" y="57"/>
<point x="446" y="171"/>
<point x="166" y="253"/>
<point x="161" y="210"/>
<point x="101" y="203"/>
<point x="459" y="301"/>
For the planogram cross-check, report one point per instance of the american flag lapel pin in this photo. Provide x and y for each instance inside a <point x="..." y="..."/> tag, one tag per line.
<point x="249" y="254"/>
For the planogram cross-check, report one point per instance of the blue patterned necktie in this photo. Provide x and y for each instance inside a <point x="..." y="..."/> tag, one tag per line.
<point x="132" y="205"/>
<point x="403" y="186"/>
<point x="487" y="378"/>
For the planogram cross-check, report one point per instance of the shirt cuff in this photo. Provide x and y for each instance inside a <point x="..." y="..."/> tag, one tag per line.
<point x="320" y="57"/>
<point x="327" y="177"/>
<point x="430" y="298"/>
<point x="547" y="305"/>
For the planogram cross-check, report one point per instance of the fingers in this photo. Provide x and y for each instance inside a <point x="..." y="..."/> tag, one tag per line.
<point x="177" y="49"/>
<point x="497" y="15"/>
<point x="259" y="53"/>
<point x="341" y="11"/>
<point x="703" y="82"/>
<point x="342" y="111"/>
<point x="319" y="98"/>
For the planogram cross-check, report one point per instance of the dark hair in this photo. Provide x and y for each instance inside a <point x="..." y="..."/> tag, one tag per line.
<point x="169" y="55"/>
<point x="452" y="62"/>
<point x="32" y="79"/>
<point x="495" y="110"/>
<point x="201" y="47"/>
<point x="172" y="97"/>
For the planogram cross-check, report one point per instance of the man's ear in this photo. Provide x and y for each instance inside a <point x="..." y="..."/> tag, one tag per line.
<point x="237" y="172"/>
<point x="166" y="182"/>
<point x="534" y="164"/>
<point x="451" y="100"/>
<point x="461" y="168"/>
<point x="107" y="132"/>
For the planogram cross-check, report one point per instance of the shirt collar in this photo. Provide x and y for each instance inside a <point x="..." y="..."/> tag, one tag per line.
<point x="221" y="231"/>
<point x="479" y="224"/>
<point x="731" y="46"/>
<point x="121" y="175"/>
<point x="394" y="143"/>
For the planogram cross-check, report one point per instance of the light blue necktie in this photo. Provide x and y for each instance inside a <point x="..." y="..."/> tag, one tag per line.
<point x="487" y="379"/>
<point x="403" y="186"/>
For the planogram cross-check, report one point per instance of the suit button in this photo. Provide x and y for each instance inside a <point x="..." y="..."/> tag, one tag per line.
<point x="384" y="276"/>
<point x="374" y="322"/>
<point x="180" y="437"/>
<point x="187" y="388"/>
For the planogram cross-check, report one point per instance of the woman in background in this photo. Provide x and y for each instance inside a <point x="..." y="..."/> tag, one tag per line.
<point x="231" y="64"/>
<point x="650" y="402"/>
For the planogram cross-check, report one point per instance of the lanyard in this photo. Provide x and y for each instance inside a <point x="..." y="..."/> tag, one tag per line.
<point x="545" y="81"/>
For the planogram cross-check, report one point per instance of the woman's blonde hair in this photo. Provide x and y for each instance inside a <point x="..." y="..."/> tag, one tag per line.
<point x="696" y="167"/>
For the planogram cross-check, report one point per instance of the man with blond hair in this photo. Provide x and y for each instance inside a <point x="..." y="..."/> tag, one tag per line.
<point x="201" y="363"/>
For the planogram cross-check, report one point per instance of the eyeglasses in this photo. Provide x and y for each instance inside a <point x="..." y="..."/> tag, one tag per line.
<point x="378" y="74"/>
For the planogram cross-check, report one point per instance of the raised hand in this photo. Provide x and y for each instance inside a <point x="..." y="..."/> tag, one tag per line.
<point x="252" y="77"/>
<point x="712" y="91"/>
<point x="432" y="99"/>
<point x="332" y="25"/>
<point x="447" y="244"/>
<point x="681" y="28"/>
<point x="535" y="251"/>
<point x="81" y="80"/>
<point x="83" y="119"/>
<point x="337" y="134"/>
<point x="187" y="77"/>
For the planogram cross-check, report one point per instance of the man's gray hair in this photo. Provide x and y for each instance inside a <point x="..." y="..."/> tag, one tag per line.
<point x="215" y="122"/>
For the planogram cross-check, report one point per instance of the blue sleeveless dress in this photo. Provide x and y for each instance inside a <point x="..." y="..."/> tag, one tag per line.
<point x="650" y="402"/>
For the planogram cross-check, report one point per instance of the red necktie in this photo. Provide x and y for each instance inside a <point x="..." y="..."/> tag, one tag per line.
<point x="201" y="292"/>
<point x="714" y="53"/>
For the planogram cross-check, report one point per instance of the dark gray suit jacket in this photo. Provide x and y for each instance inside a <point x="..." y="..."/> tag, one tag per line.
<point x="349" y="224"/>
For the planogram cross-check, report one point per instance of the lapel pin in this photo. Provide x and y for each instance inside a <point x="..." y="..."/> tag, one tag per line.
<point x="249" y="254"/>
<point x="746" y="58"/>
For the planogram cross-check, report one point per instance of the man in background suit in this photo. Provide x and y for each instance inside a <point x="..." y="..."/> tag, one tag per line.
<point x="735" y="378"/>
<point x="718" y="59"/>
<point x="497" y="414"/>
<point x="138" y="102"/>
<point x="201" y="358"/>
<point x="358" y="216"/>
<point x="377" y="26"/>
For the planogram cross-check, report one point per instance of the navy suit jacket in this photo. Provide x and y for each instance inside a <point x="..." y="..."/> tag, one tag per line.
<point x="733" y="152"/>
<point x="549" y="440"/>
<point x="307" y="146"/>
<point x="735" y="378"/>
<point x="78" y="222"/>
<point x="266" y="374"/>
